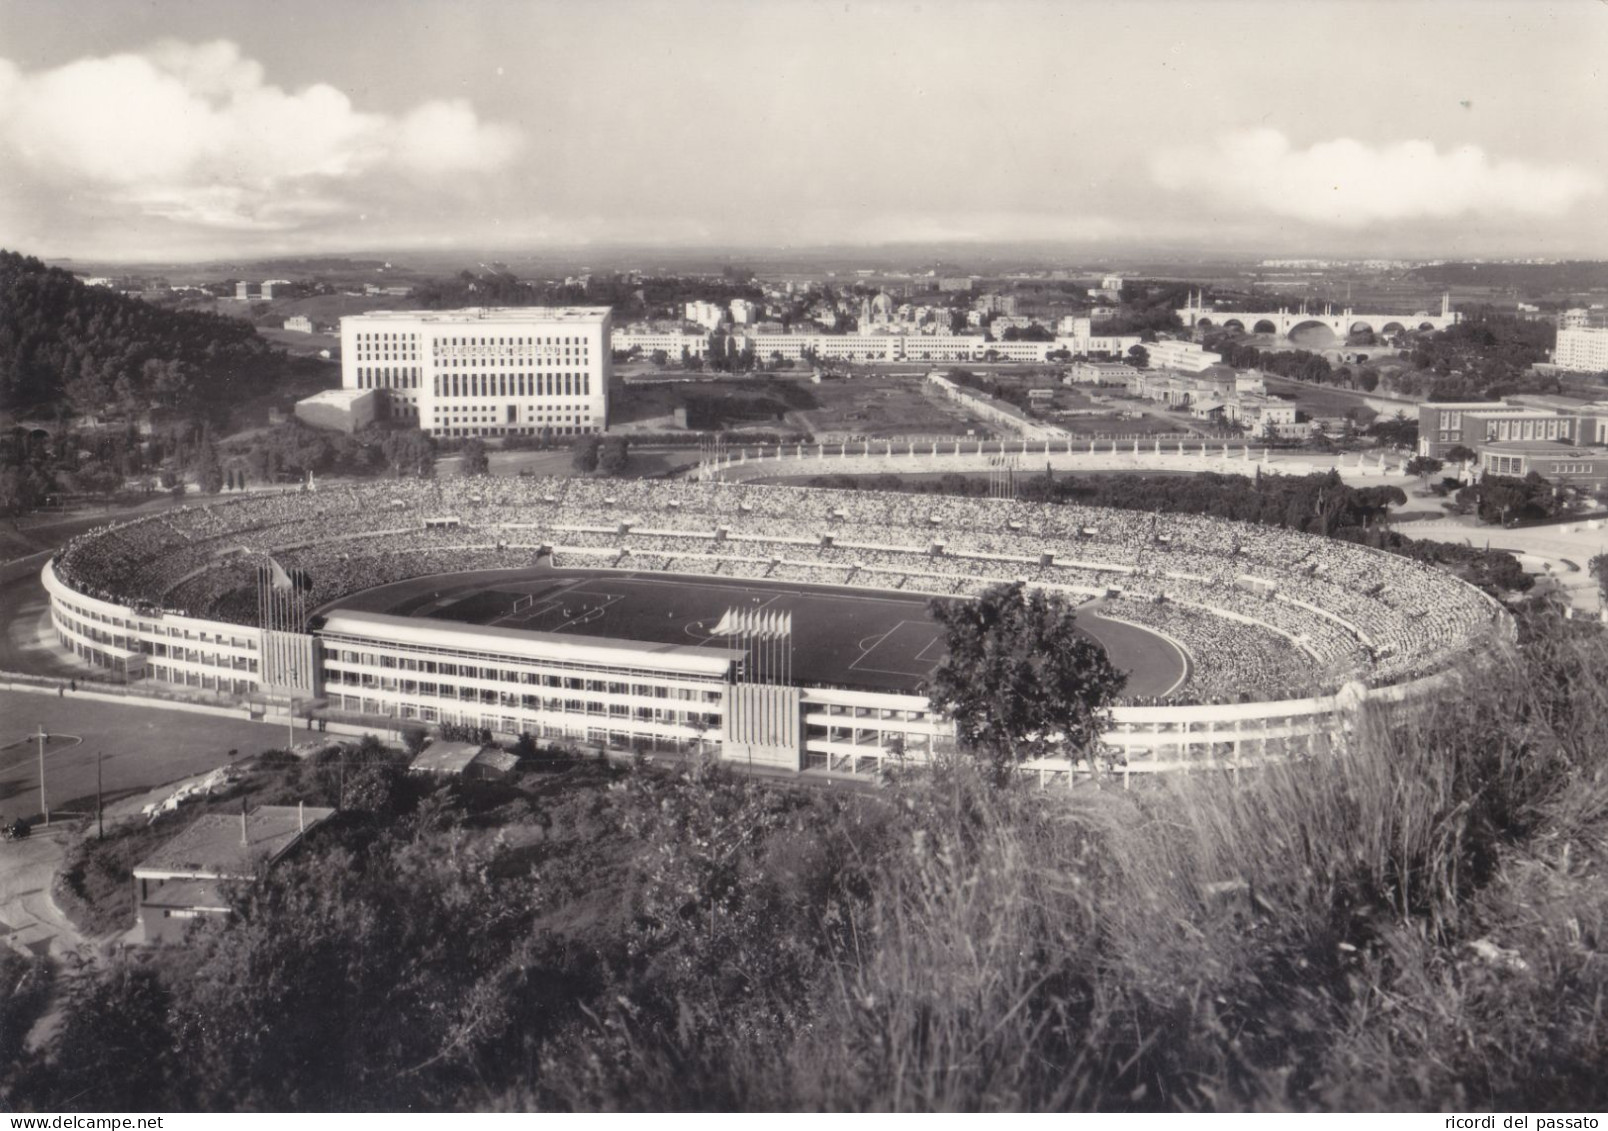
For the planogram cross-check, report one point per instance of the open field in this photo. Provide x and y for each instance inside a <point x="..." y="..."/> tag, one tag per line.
<point x="297" y="343"/>
<point x="876" y="641"/>
<point x="882" y="406"/>
<point x="761" y="402"/>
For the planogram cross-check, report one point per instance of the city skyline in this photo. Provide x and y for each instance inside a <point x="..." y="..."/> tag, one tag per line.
<point x="191" y="131"/>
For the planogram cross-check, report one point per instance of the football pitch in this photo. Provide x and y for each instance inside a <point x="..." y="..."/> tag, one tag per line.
<point x="876" y="641"/>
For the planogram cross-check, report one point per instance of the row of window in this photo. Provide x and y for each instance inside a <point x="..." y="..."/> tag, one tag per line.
<point x="388" y="377"/>
<point x="514" y="430"/>
<point x="386" y="662"/>
<point x="1528" y="429"/>
<point x="681" y="716"/>
<point x="431" y="658"/>
<point x="492" y="356"/>
<point x="92" y="634"/>
<point x="149" y="628"/>
<point x="553" y="728"/>
<point x="438" y="344"/>
<point x="513" y="385"/>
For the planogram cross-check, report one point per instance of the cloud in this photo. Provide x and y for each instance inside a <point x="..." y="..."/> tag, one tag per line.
<point x="194" y="133"/>
<point x="1348" y="184"/>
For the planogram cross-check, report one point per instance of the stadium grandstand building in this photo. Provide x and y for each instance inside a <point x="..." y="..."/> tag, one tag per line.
<point x="502" y="371"/>
<point x="1285" y="633"/>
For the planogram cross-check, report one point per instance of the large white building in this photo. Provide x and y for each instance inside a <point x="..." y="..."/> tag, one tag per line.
<point x="1583" y="349"/>
<point x="1185" y="357"/>
<point x="485" y="372"/>
<point x="924" y="347"/>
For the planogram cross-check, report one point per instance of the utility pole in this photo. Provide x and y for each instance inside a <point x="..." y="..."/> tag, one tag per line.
<point x="44" y="806"/>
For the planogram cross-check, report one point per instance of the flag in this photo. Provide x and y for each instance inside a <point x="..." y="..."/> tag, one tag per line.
<point x="281" y="579"/>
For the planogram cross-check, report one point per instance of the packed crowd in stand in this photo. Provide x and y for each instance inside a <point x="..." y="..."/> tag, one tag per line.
<point x="1323" y="610"/>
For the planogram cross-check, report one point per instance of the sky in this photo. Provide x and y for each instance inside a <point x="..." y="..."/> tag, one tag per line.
<point x="165" y="129"/>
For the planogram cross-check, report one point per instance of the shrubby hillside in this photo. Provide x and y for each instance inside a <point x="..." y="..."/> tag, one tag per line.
<point x="1417" y="923"/>
<point x="98" y="351"/>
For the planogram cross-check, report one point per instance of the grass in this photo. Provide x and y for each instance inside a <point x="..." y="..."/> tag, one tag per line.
<point x="1413" y="922"/>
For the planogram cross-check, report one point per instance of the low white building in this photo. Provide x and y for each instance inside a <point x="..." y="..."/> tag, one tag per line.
<point x="676" y="344"/>
<point x="1185" y="357"/>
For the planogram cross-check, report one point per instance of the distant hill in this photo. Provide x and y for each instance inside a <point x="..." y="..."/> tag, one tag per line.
<point x="1579" y="275"/>
<point x="97" y="351"/>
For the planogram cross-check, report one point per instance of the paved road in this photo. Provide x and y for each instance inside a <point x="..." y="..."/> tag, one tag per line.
<point x="29" y="919"/>
<point x="1561" y="551"/>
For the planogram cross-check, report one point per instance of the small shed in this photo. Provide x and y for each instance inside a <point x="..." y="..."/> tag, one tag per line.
<point x="448" y="758"/>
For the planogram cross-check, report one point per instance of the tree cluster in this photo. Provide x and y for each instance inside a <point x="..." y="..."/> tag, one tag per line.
<point x="97" y="352"/>
<point x="1505" y="498"/>
<point x="605" y="455"/>
<point x="289" y="451"/>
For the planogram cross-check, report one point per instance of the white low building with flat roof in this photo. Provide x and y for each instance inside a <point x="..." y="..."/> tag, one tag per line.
<point x="341" y="410"/>
<point x="1185" y="357"/>
<point x="494" y="371"/>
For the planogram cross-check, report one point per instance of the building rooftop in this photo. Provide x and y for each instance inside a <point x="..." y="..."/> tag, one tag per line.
<point x="561" y="647"/>
<point x="445" y="757"/>
<point x="225" y="846"/>
<point x="578" y="314"/>
<point x="1542" y="448"/>
<point x="337" y="398"/>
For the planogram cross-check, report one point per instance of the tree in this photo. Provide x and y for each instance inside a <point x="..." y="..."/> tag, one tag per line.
<point x="1367" y="380"/>
<point x="1139" y="356"/>
<point x="208" y="472"/>
<point x="1423" y="467"/>
<point x="1457" y="453"/>
<point x="1599" y="569"/>
<point x="116" y="1043"/>
<point x="613" y="455"/>
<point x="584" y="455"/>
<point x="475" y="459"/>
<point x="1019" y="680"/>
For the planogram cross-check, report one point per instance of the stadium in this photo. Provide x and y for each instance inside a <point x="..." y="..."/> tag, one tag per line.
<point x="785" y="626"/>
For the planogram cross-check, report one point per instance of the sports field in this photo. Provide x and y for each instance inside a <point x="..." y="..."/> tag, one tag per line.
<point x="846" y="637"/>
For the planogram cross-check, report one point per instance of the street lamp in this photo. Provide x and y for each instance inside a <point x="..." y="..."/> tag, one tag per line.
<point x="44" y="806"/>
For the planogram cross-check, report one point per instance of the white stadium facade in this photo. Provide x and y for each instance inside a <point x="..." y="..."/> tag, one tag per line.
<point x="169" y="600"/>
